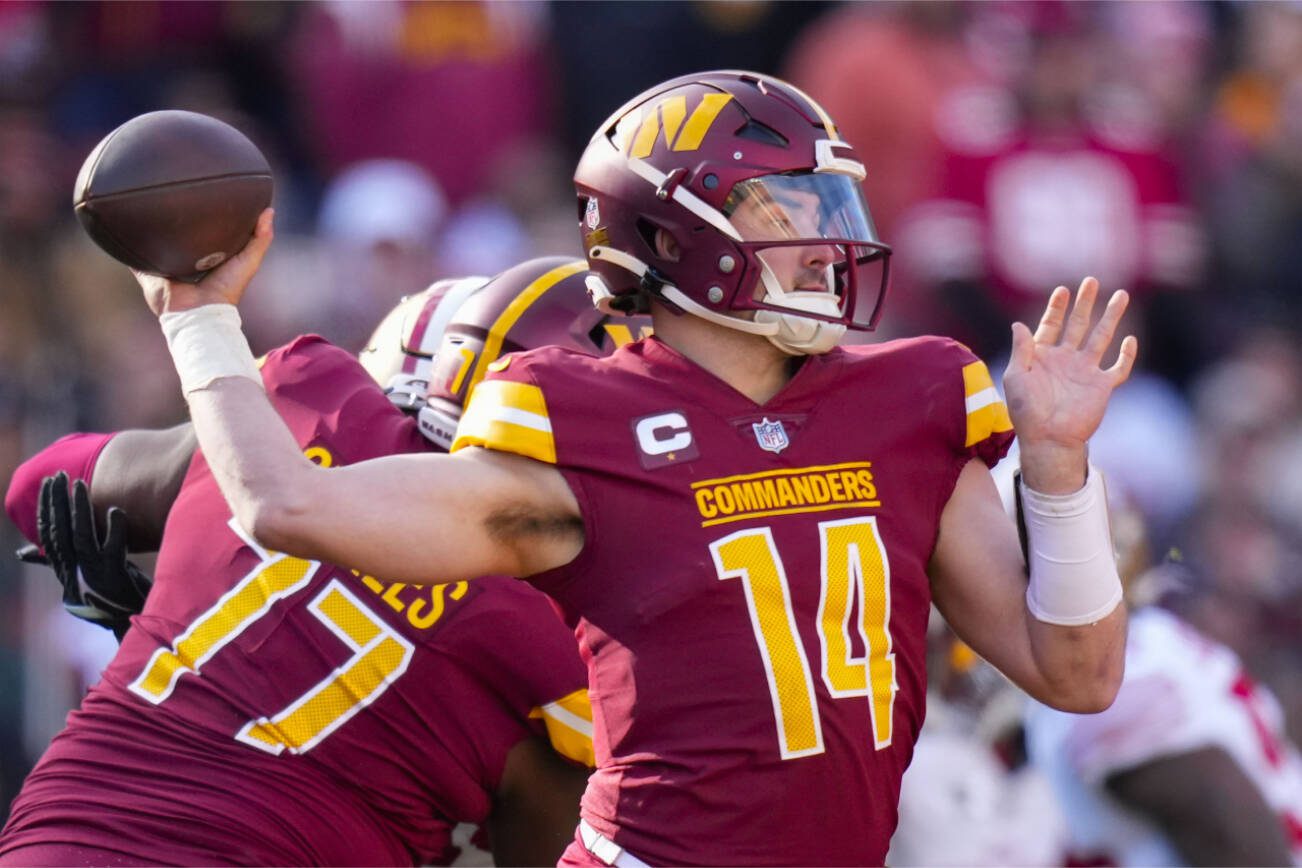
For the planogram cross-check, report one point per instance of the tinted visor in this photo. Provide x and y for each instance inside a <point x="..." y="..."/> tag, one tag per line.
<point x="783" y="219"/>
<point x="787" y="207"/>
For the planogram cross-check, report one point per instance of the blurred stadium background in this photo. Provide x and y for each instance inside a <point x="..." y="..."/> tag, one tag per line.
<point x="1010" y="146"/>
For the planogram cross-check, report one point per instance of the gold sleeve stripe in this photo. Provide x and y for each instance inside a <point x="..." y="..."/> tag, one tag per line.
<point x="569" y="726"/>
<point x="530" y="294"/>
<point x="508" y="417"/>
<point x="986" y="412"/>
<point x="976" y="378"/>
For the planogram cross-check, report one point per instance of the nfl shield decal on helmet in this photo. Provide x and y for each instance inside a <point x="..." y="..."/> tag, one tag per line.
<point x="771" y="436"/>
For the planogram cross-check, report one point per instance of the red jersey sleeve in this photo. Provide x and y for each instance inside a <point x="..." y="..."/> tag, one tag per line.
<point x="74" y="454"/>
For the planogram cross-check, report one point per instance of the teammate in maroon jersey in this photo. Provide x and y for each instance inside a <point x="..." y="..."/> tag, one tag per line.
<point x="745" y="523"/>
<point x="269" y="710"/>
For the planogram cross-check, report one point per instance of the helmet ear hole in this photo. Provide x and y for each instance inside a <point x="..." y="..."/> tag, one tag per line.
<point x="646" y="230"/>
<point x="661" y="242"/>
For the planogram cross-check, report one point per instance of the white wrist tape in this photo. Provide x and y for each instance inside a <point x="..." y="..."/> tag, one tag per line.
<point x="207" y="345"/>
<point x="1074" y="577"/>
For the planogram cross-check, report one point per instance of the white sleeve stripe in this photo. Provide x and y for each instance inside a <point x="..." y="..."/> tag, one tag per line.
<point x="568" y="719"/>
<point x="984" y="398"/>
<point x="523" y="418"/>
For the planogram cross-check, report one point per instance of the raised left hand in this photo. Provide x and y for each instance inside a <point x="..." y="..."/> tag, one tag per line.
<point x="1056" y="388"/>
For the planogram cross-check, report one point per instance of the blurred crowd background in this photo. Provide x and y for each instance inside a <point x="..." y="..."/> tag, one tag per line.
<point x="1010" y="147"/>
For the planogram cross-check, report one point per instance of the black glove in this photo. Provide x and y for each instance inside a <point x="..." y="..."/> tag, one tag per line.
<point x="99" y="584"/>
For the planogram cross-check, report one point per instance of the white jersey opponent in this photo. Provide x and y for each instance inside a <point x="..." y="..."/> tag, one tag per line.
<point x="1182" y="692"/>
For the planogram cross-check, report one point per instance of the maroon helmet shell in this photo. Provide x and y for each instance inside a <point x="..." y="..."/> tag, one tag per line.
<point x="538" y="303"/>
<point x="680" y="157"/>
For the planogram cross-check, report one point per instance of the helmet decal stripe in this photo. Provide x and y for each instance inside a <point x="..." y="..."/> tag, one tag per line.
<point x="672" y="112"/>
<point x="647" y="134"/>
<point x="531" y="293"/>
<point x="687" y="199"/>
<point x="427" y="333"/>
<point x="699" y="123"/>
<point x="626" y="129"/>
<point x="818" y="109"/>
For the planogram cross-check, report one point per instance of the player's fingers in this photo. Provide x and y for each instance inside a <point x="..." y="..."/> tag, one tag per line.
<point x="1022" y="353"/>
<point x="1106" y="328"/>
<point x="1078" y="323"/>
<point x="59" y="521"/>
<point x="1055" y="313"/>
<point x="1120" y="370"/>
<point x="115" y="535"/>
<point x="83" y="519"/>
<point x="228" y="281"/>
<point x="44" y="513"/>
<point x="263" y="234"/>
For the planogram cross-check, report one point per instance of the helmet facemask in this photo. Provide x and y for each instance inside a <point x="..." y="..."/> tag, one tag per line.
<point x="803" y="231"/>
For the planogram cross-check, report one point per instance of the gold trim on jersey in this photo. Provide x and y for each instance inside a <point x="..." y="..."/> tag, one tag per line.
<point x="785" y="492"/>
<point x="569" y="726"/>
<point x="986" y="412"/>
<point x="508" y="417"/>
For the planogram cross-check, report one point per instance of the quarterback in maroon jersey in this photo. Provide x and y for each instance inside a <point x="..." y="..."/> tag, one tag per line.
<point x="744" y="523"/>
<point x="266" y="709"/>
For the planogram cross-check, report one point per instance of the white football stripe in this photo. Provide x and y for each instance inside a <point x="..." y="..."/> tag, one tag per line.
<point x="984" y="398"/>
<point x="523" y="418"/>
<point x="568" y="719"/>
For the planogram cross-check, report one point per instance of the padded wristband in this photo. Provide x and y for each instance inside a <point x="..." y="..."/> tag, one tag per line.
<point x="207" y="345"/>
<point x="1074" y="578"/>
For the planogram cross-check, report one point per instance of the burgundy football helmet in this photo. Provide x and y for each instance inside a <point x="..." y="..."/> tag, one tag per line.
<point x="731" y="191"/>
<point x="401" y="350"/>
<point x="541" y="302"/>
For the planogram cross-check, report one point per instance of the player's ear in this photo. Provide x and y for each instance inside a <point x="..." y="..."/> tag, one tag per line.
<point x="666" y="245"/>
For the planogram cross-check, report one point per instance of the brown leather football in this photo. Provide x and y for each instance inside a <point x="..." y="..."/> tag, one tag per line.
<point x="173" y="193"/>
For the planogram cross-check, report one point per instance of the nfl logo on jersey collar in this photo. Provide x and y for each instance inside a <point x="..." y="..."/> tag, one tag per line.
<point x="770" y="436"/>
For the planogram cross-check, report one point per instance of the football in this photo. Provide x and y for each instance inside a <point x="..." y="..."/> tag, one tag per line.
<point x="174" y="193"/>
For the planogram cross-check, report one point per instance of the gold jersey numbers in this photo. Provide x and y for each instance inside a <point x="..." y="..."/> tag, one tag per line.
<point x="854" y="569"/>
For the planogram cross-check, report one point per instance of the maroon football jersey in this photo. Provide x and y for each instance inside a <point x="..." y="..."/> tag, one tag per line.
<point x="270" y="710"/>
<point x="752" y="598"/>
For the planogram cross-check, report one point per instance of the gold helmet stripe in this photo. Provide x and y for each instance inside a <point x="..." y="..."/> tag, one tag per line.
<point x="531" y="293"/>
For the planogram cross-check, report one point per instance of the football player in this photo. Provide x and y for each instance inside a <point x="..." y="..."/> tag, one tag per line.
<point x="745" y="523"/>
<point x="266" y="709"/>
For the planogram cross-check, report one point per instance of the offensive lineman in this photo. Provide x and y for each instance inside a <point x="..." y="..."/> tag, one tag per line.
<point x="745" y="524"/>
<point x="269" y="710"/>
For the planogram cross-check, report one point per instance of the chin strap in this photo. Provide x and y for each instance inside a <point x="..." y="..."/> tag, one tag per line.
<point x="801" y="336"/>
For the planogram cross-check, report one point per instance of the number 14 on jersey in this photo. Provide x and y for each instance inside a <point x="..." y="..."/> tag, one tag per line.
<point x="853" y="563"/>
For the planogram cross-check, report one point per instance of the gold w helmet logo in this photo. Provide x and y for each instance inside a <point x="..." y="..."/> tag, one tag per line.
<point x="638" y="131"/>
